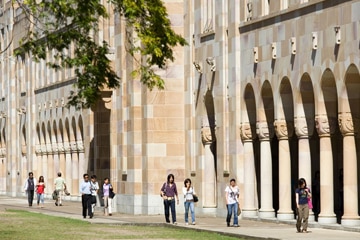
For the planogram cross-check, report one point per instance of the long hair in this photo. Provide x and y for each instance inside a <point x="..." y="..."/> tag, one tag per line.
<point x="170" y="176"/>
<point x="301" y="182"/>
<point x="41" y="179"/>
<point x="187" y="181"/>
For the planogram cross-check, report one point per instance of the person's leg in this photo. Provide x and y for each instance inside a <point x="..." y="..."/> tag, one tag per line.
<point x="38" y="198"/>
<point x="236" y="221"/>
<point x="110" y="200"/>
<point x="228" y="217"/>
<point x="60" y="196"/>
<point x="186" y="206"/>
<point x="173" y="210"/>
<point x="106" y="205"/>
<point x="306" y="217"/>
<point x="88" y="206"/>
<point x="166" y="210"/>
<point x="83" y="203"/>
<point x="57" y="198"/>
<point x="299" y="219"/>
<point x="42" y="199"/>
<point x="192" y="210"/>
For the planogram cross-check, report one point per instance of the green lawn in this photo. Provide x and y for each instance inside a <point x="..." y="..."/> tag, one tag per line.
<point x="19" y="225"/>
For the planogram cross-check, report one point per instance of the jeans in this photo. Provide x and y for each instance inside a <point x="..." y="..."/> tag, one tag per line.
<point x="108" y="205"/>
<point x="190" y="205"/>
<point x="40" y="198"/>
<point x="170" y="204"/>
<point x="30" y="197"/>
<point x="232" y="208"/>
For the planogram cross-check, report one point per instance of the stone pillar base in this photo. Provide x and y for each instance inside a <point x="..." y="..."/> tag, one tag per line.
<point x="267" y="214"/>
<point x="249" y="213"/>
<point x="209" y="211"/>
<point x="285" y="216"/>
<point x="326" y="219"/>
<point x="350" y="222"/>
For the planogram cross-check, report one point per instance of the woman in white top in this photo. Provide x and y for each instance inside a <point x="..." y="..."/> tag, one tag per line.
<point x="232" y="196"/>
<point x="189" y="193"/>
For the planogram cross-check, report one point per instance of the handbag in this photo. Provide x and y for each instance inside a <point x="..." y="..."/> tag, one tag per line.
<point x="54" y="195"/>
<point x="310" y="203"/>
<point x="111" y="194"/>
<point x="66" y="192"/>
<point x="196" y="199"/>
<point x="239" y="209"/>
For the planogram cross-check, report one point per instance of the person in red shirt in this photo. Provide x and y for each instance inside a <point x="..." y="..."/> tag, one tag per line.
<point x="40" y="190"/>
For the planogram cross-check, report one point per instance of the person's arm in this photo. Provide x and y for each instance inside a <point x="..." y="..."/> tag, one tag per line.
<point x="176" y="194"/>
<point x="162" y="191"/>
<point x="184" y="190"/>
<point x="227" y="196"/>
<point x="297" y="199"/>
<point x="308" y="192"/>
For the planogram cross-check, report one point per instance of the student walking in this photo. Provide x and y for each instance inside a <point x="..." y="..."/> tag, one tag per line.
<point x="189" y="192"/>
<point x="232" y="201"/>
<point x="108" y="195"/>
<point x="29" y="188"/>
<point x="302" y="194"/>
<point x="40" y="191"/>
<point x="60" y="186"/>
<point x="85" y="191"/>
<point x="94" y="192"/>
<point x="168" y="192"/>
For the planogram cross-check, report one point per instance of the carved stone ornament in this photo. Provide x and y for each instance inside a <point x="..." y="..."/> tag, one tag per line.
<point x="67" y="148"/>
<point x="262" y="130"/>
<point x="61" y="147"/>
<point x="206" y="135"/>
<point x="43" y="149"/>
<point x="23" y="150"/>
<point x="197" y="67"/>
<point x="80" y="146"/>
<point x="38" y="149"/>
<point x="55" y="148"/>
<point x="49" y="149"/>
<point x="346" y="124"/>
<point x="301" y="128"/>
<point x="245" y="132"/>
<point x="2" y="152"/>
<point x="211" y="61"/>
<point x="73" y="147"/>
<point x="323" y="125"/>
<point x="281" y="129"/>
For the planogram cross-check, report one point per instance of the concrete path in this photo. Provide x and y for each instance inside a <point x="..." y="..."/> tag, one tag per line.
<point x="249" y="229"/>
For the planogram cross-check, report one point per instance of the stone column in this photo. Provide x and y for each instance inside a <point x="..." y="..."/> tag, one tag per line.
<point x="44" y="159"/>
<point x="302" y="133"/>
<point x="285" y="212"/>
<point x="350" y="217"/>
<point x="266" y="210"/>
<point x="82" y="165"/>
<point x="250" y="207"/>
<point x="68" y="169"/>
<point x="209" y="179"/>
<point x="50" y="170"/>
<point x="75" y="168"/>
<point x="326" y="171"/>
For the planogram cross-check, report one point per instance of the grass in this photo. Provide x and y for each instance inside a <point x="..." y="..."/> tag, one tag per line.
<point x="17" y="224"/>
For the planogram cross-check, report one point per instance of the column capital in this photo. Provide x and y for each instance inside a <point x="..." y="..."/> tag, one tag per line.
<point x="301" y="128"/>
<point x="245" y="132"/>
<point x="281" y="129"/>
<point x="346" y="124"/>
<point x="206" y="136"/>
<point x="324" y="125"/>
<point x="262" y="130"/>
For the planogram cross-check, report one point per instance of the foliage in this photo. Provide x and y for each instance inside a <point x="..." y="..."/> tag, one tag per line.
<point x="69" y="29"/>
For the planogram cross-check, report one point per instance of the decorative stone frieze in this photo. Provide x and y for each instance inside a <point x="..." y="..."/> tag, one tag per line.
<point x="49" y="149"/>
<point x="2" y="152"/>
<point x="67" y="148"/>
<point x="55" y="148"/>
<point x="206" y="136"/>
<point x="43" y="149"/>
<point x="245" y="132"/>
<point x="281" y="129"/>
<point x="301" y="128"/>
<point x="211" y="61"/>
<point x="61" y="148"/>
<point x="38" y="149"/>
<point x="73" y="146"/>
<point x="80" y="146"/>
<point x="324" y="126"/>
<point x="346" y="124"/>
<point x="23" y="150"/>
<point x="262" y="130"/>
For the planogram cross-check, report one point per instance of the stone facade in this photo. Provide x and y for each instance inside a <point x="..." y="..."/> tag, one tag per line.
<point x="265" y="92"/>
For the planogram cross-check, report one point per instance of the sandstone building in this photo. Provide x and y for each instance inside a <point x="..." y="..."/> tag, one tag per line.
<point x="265" y="92"/>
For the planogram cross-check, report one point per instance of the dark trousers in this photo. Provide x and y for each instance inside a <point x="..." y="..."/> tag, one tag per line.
<point x="30" y="197"/>
<point x="86" y="205"/>
<point x="170" y="204"/>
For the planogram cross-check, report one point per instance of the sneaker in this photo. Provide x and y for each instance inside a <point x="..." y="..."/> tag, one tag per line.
<point x="175" y="223"/>
<point x="56" y="203"/>
<point x="236" y="225"/>
<point x="186" y="224"/>
<point x="110" y="214"/>
<point x="193" y="223"/>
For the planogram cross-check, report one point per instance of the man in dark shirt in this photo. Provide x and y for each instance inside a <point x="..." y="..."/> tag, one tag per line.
<point x="168" y="192"/>
<point x="29" y="188"/>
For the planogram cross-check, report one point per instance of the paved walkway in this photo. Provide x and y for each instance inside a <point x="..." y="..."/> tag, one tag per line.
<point x="249" y="229"/>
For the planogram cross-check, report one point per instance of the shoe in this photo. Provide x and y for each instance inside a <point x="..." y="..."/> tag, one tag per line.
<point x="110" y="214"/>
<point x="91" y="216"/>
<point x="228" y="224"/>
<point x="186" y="224"/>
<point x="193" y="223"/>
<point x="175" y="223"/>
<point x="168" y="222"/>
<point x="84" y="216"/>
<point x="60" y="204"/>
<point x="236" y="225"/>
<point x="56" y="203"/>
